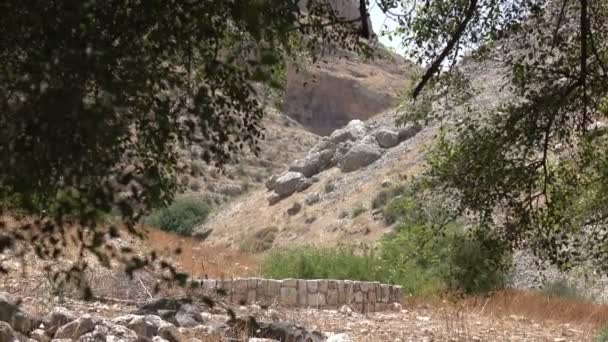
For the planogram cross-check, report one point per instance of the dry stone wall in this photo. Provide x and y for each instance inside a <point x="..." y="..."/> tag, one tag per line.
<point x="319" y="293"/>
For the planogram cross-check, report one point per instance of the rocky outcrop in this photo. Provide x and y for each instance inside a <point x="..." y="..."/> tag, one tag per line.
<point x="350" y="148"/>
<point x="360" y="155"/>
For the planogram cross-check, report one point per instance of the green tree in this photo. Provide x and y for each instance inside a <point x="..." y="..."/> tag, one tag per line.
<point x="532" y="167"/>
<point x="96" y="96"/>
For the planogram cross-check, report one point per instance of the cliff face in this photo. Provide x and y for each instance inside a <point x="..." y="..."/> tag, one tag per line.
<point x="338" y="89"/>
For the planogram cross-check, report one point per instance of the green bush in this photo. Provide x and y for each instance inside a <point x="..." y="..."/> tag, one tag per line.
<point x="181" y="216"/>
<point x="602" y="336"/>
<point x="431" y="251"/>
<point x="320" y="263"/>
<point x="562" y="288"/>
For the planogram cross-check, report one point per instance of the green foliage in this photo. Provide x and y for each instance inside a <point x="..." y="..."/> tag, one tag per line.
<point x="562" y="288"/>
<point x="181" y="217"/>
<point x="429" y="253"/>
<point x="320" y="263"/>
<point x="358" y="210"/>
<point x="384" y="196"/>
<point x="602" y="335"/>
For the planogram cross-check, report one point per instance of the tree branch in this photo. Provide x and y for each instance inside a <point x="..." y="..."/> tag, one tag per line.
<point x="434" y="68"/>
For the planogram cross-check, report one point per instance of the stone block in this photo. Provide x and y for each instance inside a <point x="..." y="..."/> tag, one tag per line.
<point x="274" y="288"/>
<point x="313" y="286"/>
<point x="323" y="286"/>
<point x="209" y="285"/>
<point x="302" y="292"/>
<point x="289" y="295"/>
<point x="289" y="283"/>
<point x="349" y="291"/>
<point x="332" y="297"/>
<point x="252" y="283"/>
<point x="316" y="300"/>
<point x="397" y="293"/>
<point x="251" y="296"/>
<point x="385" y="293"/>
<point x="358" y="297"/>
<point x="341" y="292"/>
<point x="240" y="285"/>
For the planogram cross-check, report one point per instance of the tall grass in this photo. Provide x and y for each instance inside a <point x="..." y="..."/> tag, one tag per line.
<point x="321" y="263"/>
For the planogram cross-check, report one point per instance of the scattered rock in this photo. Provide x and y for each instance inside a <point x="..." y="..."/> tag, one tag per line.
<point x="346" y="310"/>
<point x="273" y="198"/>
<point x="77" y="328"/>
<point x="339" y="338"/>
<point x="185" y="320"/>
<point x="289" y="183"/>
<point x="270" y="182"/>
<point x="169" y="332"/>
<point x="359" y="156"/>
<point x="387" y="138"/>
<point x="146" y="326"/>
<point x="202" y="233"/>
<point x="353" y="131"/>
<point x="9" y="306"/>
<point x="255" y="339"/>
<point x="295" y="209"/>
<point x="58" y="317"/>
<point x="8" y="334"/>
<point x="39" y="335"/>
<point x="106" y="331"/>
<point x="155" y="306"/>
<point x="396" y="307"/>
<point x="314" y="163"/>
<point x="386" y="183"/>
<point x="312" y="198"/>
<point x="408" y="132"/>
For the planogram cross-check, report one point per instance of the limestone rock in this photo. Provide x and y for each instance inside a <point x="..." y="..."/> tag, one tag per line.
<point x="273" y="198"/>
<point x="9" y="306"/>
<point x="387" y="138"/>
<point x="58" y="317"/>
<point x="314" y="163"/>
<point x="339" y="338"/>
<point x="270" y="182"/>
<point x="359" y="156"/>
<point x="312" y="198"/>
<point x="39" y="335"/>
<point x="77" y="328"/>
<point x="408" y="132"/>
<point x="109" y="332"/>
<point x="289" y="183"/>
<point x="355" y="130"/>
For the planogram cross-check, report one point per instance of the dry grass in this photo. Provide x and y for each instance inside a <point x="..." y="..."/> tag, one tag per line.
<point x="199" y="259"/>
<point x="537" y="306"/>
<point x="522" y="305"/>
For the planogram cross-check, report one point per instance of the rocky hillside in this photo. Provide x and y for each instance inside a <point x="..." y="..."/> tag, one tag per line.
<point x="325" y="198"/>
<point x="340" y="88"/>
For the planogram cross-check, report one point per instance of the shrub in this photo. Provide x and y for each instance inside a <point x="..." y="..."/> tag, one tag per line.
<point x="181" y="216"/>
<point x="358" y="211"/>
<point x="329" y="187"/>
<point x="562" y="288"/>
<point x="260" y="241"/>
<point x="602" y="336"/>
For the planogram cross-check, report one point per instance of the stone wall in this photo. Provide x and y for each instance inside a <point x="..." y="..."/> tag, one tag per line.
<point x="320" y="293"/>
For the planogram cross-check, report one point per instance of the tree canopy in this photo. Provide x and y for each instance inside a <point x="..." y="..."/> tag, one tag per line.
<point x="533" y="166"/>
<point x="95" y="97"/>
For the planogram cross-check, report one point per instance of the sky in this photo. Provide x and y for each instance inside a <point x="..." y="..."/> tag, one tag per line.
<point x="379" y="21"/>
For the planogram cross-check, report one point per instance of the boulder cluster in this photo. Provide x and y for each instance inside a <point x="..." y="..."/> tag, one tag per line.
<point x="350" y="149"/>
<point x="159" y="320"/>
